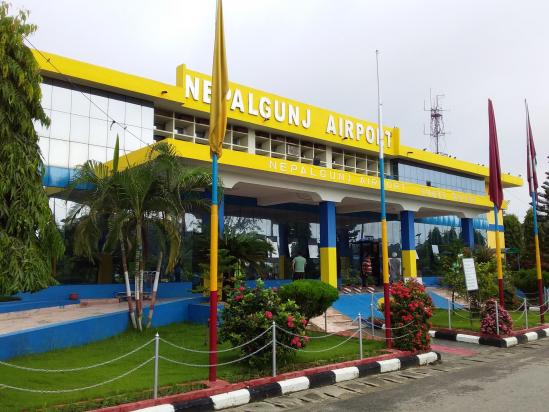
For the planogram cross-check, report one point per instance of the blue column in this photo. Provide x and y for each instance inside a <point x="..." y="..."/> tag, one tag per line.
<point x="408" y="237"/>
<point x="328" y="254"/>
<point x="467" y="233"/>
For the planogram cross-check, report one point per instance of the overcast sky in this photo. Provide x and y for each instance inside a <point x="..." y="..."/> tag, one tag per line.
<point x="322" y="52"/>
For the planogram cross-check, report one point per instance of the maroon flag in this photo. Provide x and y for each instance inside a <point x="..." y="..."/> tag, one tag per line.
<point x="531" y="157"/>
<point x="495" y="187"/>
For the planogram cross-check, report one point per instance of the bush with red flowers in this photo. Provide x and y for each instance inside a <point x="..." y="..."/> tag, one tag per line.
<point x="411" y="309"/>
<point x="250" y="311"/>
<point x="488" y="324"/>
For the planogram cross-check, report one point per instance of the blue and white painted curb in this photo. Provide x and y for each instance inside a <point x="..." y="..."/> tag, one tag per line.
<point x="491" y="340"/>
<point x="283" y="387"/>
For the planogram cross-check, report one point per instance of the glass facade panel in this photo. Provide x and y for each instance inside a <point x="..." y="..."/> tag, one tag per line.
<point x="60" y="125"/>
<point x="79" y="115"/>
<point x="78" y="154"/>
<point x="98" y="153"/>
<point x="61" y="99"/>
<point x="419" y="174"/>
<point x="44" y="144"/>
<point x="80" y="102"/>
<point x="46" y="95"/>
<point x="133" y="114"/>
<point x="59" y="150"/>
<point x="80" y="128"/>
<point x="99" y="106"/>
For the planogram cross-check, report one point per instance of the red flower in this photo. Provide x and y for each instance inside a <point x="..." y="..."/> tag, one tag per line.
<point x="242" y="288"/>
<point x="304" y="322"/>
<point x="290" y="324"/>
<point x="268" y="315"/>
<point x="238" y="298"/>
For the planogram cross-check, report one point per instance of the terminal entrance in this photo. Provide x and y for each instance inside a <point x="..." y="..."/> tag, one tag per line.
<point x="361" y="251"/>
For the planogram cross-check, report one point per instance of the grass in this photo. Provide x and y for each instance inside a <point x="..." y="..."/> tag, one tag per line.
<point x="460" y="320"/>
<point x="172" y="378"/>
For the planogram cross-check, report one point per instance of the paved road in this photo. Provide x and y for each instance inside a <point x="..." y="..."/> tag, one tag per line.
<point x="491" y="379"/>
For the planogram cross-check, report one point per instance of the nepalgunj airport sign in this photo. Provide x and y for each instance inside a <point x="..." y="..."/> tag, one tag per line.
<point x="285" y="115"/>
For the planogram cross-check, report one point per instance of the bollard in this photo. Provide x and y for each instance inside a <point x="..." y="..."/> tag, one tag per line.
<point x="326" y="321"/>
<point x="372" y="314"/>
<point x="526" y="312"/>
<point x="274" y="348"/>
<point x="360" y="334"/>
<point x="156" y="347"/>
<point x="497" y="318"/>
<point x="449" y="315"/>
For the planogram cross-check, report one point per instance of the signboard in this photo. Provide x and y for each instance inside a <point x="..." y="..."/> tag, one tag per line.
<point x="435" y="249"/>
<point x="470" y="274"/>
<point x="313" y="251"/>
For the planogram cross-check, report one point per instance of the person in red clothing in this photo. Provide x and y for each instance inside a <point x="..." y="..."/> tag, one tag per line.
<point x="366" y="269"/>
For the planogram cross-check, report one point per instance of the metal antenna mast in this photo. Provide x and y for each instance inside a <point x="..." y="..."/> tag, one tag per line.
<point x="437" y="132"/>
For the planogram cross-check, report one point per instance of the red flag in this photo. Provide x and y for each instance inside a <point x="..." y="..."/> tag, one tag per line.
<point x="531" y="156"/>
<point x="495" y="187"/>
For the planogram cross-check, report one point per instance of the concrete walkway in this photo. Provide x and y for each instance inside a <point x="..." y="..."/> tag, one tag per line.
<point x="17" y="321"/>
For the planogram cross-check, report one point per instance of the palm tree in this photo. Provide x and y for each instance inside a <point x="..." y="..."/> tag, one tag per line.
<point x="138" y="202"/>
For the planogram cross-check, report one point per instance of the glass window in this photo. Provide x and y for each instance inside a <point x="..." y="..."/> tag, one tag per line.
<point x="44" y="144"/>
<point x="78" y="154"/>
<point x="98" y="132"/>
<point x="98" y="153"/>
<point x="61" y="99"/>
<point x="59" y="153"/>
<point x="147" y="117"/>
<point x="132" y="138"/>
<point x="147" y="136"/>
<point x="42" y="130"/>
<point x="99" y="107"/>
<point x="60" y="125"/>
<point x="117" y="109"/>
<point x="81" y="102"/>
<point x="133" y="114"/>
<point x="46" y="95"/>
<point x="115" y="130"/>
<point x="80" y="128"/>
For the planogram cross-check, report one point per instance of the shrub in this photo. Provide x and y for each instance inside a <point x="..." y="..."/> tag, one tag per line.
<point x="526" y="280"/>
<point x="488" y="319"/>
<point x="312" y="296"/>
<point x="249" y="312"/>
<point x="411" y="309"/>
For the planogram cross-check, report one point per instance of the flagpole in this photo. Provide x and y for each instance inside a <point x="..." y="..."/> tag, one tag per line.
<point x="533" y="193"/>
<point x="384" y="251"/>
<point x="498" y="258"/>
<point x="213" y="273"/>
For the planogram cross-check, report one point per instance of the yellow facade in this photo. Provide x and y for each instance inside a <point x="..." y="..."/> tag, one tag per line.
<point x="409" y="264"/>
<point x="328" y="265"/>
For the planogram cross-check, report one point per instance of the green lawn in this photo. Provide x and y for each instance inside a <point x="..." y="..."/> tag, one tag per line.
<point x="138" y="385"/>
<point x="460" y="320"/>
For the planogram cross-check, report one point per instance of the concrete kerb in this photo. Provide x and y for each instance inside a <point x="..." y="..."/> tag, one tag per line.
<point x="530" y="335"/>
<point x="286" y="384"/>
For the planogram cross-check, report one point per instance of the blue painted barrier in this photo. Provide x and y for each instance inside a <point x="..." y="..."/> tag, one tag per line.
<point x="82" y="331"/>
<point x="431" y="281"/>
<point x="59" y="295"/>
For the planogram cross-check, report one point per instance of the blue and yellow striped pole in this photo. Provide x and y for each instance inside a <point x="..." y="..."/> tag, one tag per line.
<point x="213" y="272"/>
<point x="384" y="247"/>
<point x="538" y="261"/>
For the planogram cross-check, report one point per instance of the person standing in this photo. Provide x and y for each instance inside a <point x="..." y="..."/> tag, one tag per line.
<point x="394" y="268"/>
<point x="366" y="269"/>
<point x="298" y="266"/>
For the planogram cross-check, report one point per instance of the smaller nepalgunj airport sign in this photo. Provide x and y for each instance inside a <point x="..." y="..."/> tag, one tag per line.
<point x="470" y="274"/>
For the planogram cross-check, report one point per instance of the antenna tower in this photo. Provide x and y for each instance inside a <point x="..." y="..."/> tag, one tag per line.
<point x="437" y="132"/>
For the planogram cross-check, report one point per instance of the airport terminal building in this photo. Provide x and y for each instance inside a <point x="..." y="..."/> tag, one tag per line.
<point x="308" y="175"/>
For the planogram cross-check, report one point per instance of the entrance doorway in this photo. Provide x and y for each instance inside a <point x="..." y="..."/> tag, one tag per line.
<point x="360" y="249"/>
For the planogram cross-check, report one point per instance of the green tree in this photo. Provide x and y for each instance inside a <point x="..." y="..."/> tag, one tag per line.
<point x="139" y="202"/>
<point x="30" y="242"/>
<point x="543" y="220"/>
<point x="514" y="238"/>
<point x="529" y="257"/>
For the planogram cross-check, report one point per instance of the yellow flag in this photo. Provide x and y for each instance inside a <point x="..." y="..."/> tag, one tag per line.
<point x="220" y="87"/>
